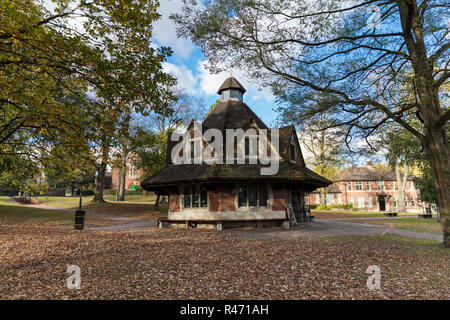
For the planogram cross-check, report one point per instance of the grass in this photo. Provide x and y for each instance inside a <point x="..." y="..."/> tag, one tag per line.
<point x="11" y="212"/>
<point x="72" y="202"/>
<point x="333" y="214"/>
<point x="420" y="225"/>
<point x="423" y="245"/>
<point x="136" y="206"/>
<point x="413" y="244"/>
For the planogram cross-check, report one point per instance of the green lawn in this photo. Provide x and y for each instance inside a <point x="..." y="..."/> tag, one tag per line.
<point x="421" y="225"/>
<point x="137" y="206"/>
<point x="72" y="202"/>
<point x="336" y="214"/>
<point x="11" y="212"/>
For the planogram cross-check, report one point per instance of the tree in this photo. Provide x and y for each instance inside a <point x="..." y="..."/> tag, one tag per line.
<point x="404" y="150"/>
<point x="355" y="59"/>
<point x="323" y="145"/>
<point x="51" y="58"/>
<point x="150" y="150"/>
<point x="181" y="109"/>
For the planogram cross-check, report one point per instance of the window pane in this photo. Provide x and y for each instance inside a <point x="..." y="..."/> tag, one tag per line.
<point x="262" y="195"/>
<point x="226" y="94"/>
<point x="195" y="196"/>
<point x="192" y="151"/>
<point x="330" y="198"/>
<point x="187" y="196"/>
<point x="247" y="146"/>
<point x="252" y="196"/>
<point x="242" y="192"/>
<point x="203" y="196"/>
<point x="292" y="151"/>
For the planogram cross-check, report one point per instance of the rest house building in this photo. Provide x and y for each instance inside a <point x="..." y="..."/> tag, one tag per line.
<point x="226" y="193"/>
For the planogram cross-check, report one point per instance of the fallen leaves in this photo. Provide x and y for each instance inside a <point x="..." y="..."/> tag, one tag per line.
<point x="196" y="264"/>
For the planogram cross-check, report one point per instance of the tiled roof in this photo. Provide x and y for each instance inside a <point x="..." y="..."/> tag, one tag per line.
<point x="178" y="173"/>
<point x="231" y="83"/>
<point x="371" y="173"/>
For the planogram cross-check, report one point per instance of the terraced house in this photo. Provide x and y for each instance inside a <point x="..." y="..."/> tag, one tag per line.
<point x="369" y="188"/>
<point x="224" y="195"/>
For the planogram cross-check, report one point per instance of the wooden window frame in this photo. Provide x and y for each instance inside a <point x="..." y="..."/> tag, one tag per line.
<point x="257" y="193"/>
<point x="199" y="188"/>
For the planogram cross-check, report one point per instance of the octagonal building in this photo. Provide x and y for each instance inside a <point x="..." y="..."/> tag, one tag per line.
<point x="224" y="194"/>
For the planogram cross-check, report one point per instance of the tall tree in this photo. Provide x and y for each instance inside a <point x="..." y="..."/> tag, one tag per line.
<point x="355" y="54"/>
<point x="47" y="55"/>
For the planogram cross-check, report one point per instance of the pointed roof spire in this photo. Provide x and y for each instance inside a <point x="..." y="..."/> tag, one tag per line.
<point x="231" y="83"/>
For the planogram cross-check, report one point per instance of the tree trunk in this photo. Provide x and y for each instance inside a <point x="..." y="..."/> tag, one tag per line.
<point x="434" y="139"/>
<point x="122" y="178"/>
<point x="157" y="201"/>
<point x="401" y="188"/>
<point x="100" y="178"/>
<point x="439" y="156"/>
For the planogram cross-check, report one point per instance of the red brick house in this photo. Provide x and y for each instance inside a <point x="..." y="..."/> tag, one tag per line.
<point x="369" y="188"/>
<point x="222" y="194"/>
<point x="132" y="177"/>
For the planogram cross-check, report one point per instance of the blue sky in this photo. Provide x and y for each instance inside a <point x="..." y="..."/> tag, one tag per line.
<point x="187" y="65"/>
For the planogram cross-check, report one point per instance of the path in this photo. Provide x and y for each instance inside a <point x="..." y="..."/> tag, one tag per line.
<point x="320" y="228"/>
<point x="129" y="223"/>
<point x="330" y="228"/>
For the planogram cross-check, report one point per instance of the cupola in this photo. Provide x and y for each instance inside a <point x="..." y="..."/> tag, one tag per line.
<point x="231" y="89"/>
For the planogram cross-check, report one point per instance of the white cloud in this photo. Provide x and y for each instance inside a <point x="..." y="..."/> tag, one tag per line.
<point x="184" y="76"/>
<point x="209" y="83"/>
<point x="164" y="30"/>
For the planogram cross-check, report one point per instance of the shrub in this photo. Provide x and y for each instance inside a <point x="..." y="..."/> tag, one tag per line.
<point x="323" y="207"/>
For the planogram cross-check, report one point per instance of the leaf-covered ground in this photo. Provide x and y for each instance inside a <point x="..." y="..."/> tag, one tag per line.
<point x="196" y="264"/>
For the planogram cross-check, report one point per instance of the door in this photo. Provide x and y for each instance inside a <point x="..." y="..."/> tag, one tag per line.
<point x="298" y="205"/>
<point x="382" y="203"/>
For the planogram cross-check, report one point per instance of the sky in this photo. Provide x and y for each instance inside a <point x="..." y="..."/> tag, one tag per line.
<point x="187" y="65"/>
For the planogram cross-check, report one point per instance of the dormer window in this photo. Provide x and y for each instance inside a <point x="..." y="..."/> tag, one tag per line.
<point x="292" y="147"/>
<point x="231" y="94"/>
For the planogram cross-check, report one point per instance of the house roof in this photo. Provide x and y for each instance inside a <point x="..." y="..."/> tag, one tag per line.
<point x="235" y="114"/>
<point x="184" y="173"/>
<point x="334" y="188"/>
<point x="231" y="83"/>
<point x="371" y="173"/>
<point x="231" y="114"/>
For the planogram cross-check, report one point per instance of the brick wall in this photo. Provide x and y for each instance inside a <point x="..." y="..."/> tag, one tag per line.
<point x="372" y="192"/>
<point x="280" y="197"/>
<point x="115" y="177"/>
<point x="222" y="199"/>
<point x="174" y="202"/>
